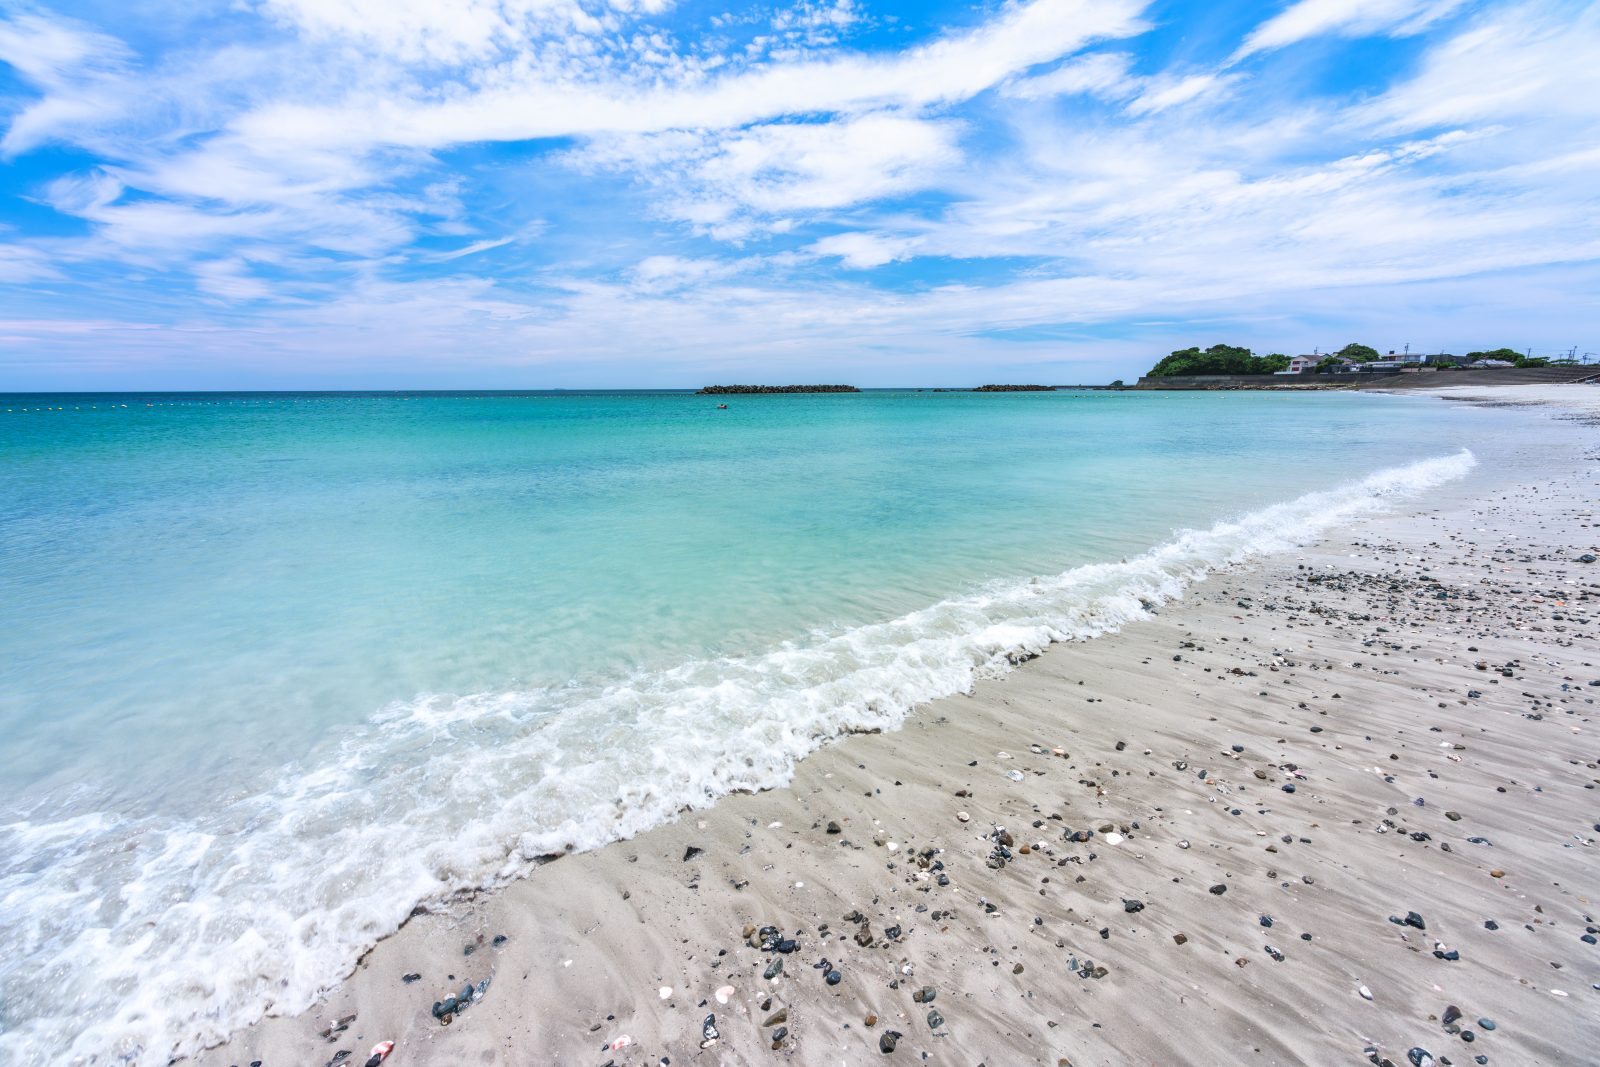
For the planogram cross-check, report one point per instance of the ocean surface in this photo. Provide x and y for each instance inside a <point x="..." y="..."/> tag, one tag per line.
<point x="277" y="668"/>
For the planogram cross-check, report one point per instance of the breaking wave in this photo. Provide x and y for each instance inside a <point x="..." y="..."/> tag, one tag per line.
<point x="154" y="939"/>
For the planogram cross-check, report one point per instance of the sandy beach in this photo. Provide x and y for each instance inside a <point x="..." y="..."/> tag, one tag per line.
<point x="1335" y="806"/>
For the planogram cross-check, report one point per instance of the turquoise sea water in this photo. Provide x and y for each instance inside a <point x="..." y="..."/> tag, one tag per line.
<point x="250" y="641"/>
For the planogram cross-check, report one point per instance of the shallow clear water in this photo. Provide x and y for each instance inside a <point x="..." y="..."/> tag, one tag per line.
<point x="249" y="641"/>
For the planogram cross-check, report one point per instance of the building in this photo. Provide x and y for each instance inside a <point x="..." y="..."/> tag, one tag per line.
<point x="1430" y="359"/>
<point x="1302" y="364"/>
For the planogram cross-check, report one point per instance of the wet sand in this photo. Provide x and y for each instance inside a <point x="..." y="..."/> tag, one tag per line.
<point x="1199" y="840"/>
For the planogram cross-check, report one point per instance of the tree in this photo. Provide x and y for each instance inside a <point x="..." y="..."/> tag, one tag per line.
<point x="1272" y="364"/>
<point x="1218" y="359"/>
<point x="1117" y="384"/>
<point x="1326" y="364"/>
<point x="1359" y="353"/>
<point x="1510" y="355"/>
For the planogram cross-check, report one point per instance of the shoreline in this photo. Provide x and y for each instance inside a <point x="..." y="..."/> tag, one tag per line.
<point x="655" y="915"/>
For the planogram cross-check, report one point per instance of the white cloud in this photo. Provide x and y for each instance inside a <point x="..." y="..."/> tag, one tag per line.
<point x="1102" y="74"/>
<point x="1171" y="90"/>
<point x="74" y="67"/>
<point x="862" y="251"/>
<point x="1347" y="18"/>
<point x="1521" y="64"/>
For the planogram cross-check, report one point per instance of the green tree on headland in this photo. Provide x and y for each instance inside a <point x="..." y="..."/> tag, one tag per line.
<point x="1218" y="359"/>
<point x="1326" y="364"/>
<point x="1510" y="355"/>
<point x="1359" y="353"/>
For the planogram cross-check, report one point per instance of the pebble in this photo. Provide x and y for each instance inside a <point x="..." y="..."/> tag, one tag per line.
<point x="888" y="1040"/>
<point x="1366" y="994"/>
<point x="924" y="995"/>
<point x="724" y="994"/>
<point x="935" y="1020"/>
<point x="962" y="816"/>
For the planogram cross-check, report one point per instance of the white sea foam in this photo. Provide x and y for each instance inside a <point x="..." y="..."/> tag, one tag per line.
<point x="130" y="941"/>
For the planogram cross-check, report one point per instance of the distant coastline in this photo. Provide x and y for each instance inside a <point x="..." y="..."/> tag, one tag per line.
<point x="731" y="390"/>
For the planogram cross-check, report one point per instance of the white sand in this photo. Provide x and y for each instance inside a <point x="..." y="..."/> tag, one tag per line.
<point x="1342" y="673"/>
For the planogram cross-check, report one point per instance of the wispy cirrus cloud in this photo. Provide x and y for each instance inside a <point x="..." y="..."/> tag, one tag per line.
<point x="548" y="184"/>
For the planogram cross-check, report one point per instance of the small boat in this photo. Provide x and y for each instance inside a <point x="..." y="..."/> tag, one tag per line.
<point x="722" y="407"/>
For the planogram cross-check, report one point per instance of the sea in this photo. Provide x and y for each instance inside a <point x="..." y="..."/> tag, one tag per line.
<point x="277" y="669"/>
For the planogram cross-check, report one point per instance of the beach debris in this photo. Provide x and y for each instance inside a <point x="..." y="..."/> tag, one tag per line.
<point x="724" y="994"/>
<point x="708" y="1032"/>
<point x="620" y="1042"/>
<point x="665" y="992"/>
<point x="379" y="1053"/>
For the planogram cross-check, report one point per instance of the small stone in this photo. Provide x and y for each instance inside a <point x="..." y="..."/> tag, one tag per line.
<point x="924" y="995"/>
<point x="1131" y="906"/>
<point x="870" y="1021"/>
<point x="833" y="978"/>
<point x="1453" y="816"/>
<point x="1497" y="873"/>
<point x="835" y="828"/>
<point x="1182" y="939"/>
<point x="1485" y="1024"/>
<point x="691" y="852"/>
<point x="774" y="969"/>
<point x="1218" y="890"/>
<point x="888" y="1040"/>
<point x="962" y="816"/>
<point x="1366" y="994"/>
<point x="777" y="1018"/>
<point x="935" y="1020"/>
<point x="708" y="1032"/>
<point x="1017" y="969"/>
<point x="1420" y="1057"/>
<point x="1451" y="1014"/>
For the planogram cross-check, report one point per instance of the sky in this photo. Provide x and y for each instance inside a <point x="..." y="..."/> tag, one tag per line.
<point x="645" y="193"/>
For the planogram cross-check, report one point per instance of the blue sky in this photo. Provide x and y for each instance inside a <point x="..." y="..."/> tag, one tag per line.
<point x="572" y="193"/>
